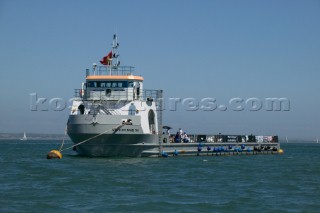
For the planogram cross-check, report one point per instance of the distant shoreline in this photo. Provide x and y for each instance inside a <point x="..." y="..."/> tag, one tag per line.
<point x="46" y="136"/>
<point x="33" y="136"/>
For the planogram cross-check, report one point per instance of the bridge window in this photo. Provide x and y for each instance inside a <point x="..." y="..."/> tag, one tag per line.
<point x="108" y="84"/>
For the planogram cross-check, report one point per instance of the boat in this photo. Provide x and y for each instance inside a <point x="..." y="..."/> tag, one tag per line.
<point x="24" y="138"/>
<point x="112" y="114"/>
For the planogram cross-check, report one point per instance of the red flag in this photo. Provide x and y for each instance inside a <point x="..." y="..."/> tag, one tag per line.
<point x="107" y="59"/>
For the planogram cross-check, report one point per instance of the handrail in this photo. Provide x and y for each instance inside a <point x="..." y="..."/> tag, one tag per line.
<point x="144" y="95"/>
<point x="204" y="138"/>
<point x="110" y="70"/>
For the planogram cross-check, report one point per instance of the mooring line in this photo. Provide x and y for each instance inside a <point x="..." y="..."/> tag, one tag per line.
<point x="64" y="137"/>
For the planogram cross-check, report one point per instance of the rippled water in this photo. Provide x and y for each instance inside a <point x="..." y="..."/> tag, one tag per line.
<point x="261" y="183"/>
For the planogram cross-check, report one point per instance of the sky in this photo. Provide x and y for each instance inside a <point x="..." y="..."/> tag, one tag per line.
<point x="222" y="50"/>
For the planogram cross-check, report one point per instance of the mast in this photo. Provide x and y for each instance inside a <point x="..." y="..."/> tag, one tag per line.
<point x="115" y="55"/>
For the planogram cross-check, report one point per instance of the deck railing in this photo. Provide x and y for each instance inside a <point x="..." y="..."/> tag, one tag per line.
<point x="222" y="139"/>
<point x="118" y="95"/>
<point x="110" y="70"/>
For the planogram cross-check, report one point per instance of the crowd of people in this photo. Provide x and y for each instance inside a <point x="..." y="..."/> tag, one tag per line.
<point x="181" y="137"/>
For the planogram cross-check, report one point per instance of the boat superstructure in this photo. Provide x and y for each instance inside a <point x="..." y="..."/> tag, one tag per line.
<point x="114" y="102"/>
<point x="114" y="115"/>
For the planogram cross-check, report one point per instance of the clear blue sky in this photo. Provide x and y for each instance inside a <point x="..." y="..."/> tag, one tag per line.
<point x="218" y="49"/>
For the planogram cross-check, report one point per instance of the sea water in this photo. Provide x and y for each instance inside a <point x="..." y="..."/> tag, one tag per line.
<point x="260" y="183"/>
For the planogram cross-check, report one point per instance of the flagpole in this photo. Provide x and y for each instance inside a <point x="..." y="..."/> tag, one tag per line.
<point x="108" y="60"/>
<point x="110" y="64"/>
<point x="113" y="48"/>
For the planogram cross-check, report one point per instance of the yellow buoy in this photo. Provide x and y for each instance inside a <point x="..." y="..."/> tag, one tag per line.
<point x="54" y="154"/>
<point x="280" y="151"/>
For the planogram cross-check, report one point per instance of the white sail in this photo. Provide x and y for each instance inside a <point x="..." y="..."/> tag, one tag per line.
<point x="24" y="138"/>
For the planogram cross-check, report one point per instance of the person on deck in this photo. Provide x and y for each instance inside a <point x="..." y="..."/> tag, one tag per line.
<point x="180" y="134"/>
<point x="177" y="138"/>
<point x="168" y="132"/>
<point x="185" y="138"/>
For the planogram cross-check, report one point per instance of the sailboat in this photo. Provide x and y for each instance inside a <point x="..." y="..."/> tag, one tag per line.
<point x="24" y="138"/>
<point x="287" y="139"/>
<point x="317" y="140"/>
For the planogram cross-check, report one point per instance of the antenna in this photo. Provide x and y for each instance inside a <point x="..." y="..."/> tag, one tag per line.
<point x="114" y="54"/>
<point x="115" y="46"/>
